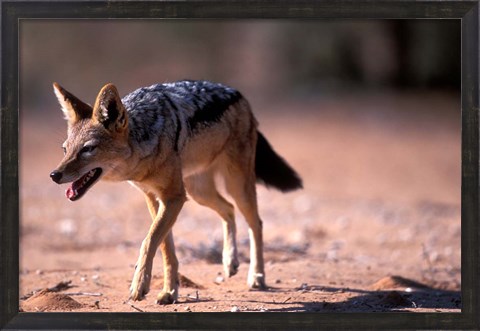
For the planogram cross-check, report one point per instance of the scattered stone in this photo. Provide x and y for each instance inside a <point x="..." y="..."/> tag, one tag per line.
<point x="302" y="204"/>
<point x="234" y="309"/>
<point x="219" y="279"/>
<point x="332" y="255"/>
<point x="67" y="227"/>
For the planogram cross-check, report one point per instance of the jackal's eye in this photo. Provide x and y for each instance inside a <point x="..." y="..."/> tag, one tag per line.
<point x="87" y="149"/>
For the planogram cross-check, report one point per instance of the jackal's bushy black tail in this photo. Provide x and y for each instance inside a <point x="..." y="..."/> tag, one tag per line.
<point x="272" y="170"/>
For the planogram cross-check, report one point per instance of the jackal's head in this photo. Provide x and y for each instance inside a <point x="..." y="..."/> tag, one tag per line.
<point x="97" y="139"/>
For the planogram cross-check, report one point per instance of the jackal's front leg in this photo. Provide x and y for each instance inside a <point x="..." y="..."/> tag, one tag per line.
<point x="159" y="233"/>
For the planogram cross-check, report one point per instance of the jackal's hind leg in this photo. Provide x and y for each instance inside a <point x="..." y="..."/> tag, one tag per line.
<point x="201" y="188"/>
<point x="240" y="185"/>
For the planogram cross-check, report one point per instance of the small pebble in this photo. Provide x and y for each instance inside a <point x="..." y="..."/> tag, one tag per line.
<point x="67" y="227"/>
<point x="219" y="279"/>
<point x="302" y="204"/>
<point x="39" y="272"/>
<point x="234" y="309"/>
<point x="332" y="254"/>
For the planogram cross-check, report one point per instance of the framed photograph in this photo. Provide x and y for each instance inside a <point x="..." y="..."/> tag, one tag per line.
<point x="327" y="151"/>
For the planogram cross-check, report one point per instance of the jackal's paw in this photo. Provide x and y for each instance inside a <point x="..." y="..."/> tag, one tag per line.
<point x="140" y="285"/>
<point x="167" y="298"/>
<point x="230" y="267"/>
<point x="257" y="281"/>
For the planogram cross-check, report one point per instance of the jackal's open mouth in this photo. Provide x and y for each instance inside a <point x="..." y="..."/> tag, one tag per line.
<point x="81" y="185"/>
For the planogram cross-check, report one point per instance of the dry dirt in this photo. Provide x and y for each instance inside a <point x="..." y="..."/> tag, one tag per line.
<point x="376" y="228"/>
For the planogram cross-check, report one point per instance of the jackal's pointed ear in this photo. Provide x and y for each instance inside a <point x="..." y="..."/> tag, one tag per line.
<point x="109" y="110"/>
<point x="73" y="108"/>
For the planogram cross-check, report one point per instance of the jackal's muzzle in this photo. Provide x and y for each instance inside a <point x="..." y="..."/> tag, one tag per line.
<point x="80" y="186"/>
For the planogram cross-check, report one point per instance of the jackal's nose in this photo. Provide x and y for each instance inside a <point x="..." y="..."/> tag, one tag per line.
<point x="56" y="176"/>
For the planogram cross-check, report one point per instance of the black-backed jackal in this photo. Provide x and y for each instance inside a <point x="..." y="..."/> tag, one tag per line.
<point x="169" y="140"/>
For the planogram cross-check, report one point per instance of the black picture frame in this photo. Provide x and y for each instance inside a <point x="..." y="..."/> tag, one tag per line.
<point x="14" y="11"/>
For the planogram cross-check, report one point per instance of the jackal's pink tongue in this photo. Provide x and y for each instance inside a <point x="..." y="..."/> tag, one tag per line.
<point x="70" y="193"/>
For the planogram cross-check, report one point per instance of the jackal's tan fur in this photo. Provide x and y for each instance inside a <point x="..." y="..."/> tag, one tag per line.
<point x="170" y="140"/>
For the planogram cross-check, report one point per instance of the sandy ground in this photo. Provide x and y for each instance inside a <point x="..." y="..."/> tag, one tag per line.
<point x="376" y="228"/>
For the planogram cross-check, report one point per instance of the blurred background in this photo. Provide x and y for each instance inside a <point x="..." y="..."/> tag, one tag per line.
<point x="368" y="112"/>
<point x="265" y="59"/>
